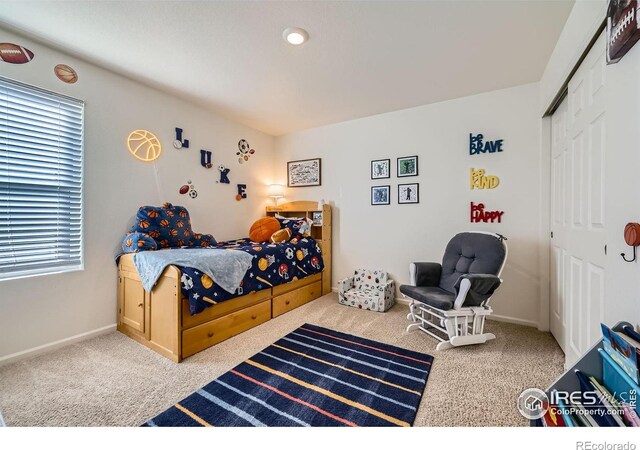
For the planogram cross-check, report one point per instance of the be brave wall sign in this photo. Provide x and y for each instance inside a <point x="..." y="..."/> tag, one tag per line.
<point x="480" y="179"/>
<point x="478" y="145"/>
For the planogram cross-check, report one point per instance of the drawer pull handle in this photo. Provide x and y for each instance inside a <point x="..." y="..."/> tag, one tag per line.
<point x="210" y="334"/>
<point x="287" y="302"/>
<point x="253" y="317"/>
<point x="139" y="305"/>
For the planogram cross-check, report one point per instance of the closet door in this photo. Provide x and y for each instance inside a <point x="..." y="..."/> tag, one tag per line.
<point x="577" y="208"/>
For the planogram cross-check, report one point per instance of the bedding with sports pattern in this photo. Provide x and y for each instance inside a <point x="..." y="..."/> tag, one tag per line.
<point x="272" y="265"/>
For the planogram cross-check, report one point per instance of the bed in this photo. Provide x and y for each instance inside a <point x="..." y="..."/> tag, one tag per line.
<point x="171" y="322"/>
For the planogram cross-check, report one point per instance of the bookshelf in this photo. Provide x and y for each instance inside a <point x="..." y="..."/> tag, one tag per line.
<point x="321" y="233"/>
<point x="602" y="367"/>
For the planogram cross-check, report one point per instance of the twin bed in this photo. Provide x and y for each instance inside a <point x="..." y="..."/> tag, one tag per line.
<point x="186" y="312"/>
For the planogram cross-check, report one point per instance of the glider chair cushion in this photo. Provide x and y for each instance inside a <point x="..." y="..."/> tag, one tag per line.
<point x="434" y="296"/>
<point x="470" y="253"/>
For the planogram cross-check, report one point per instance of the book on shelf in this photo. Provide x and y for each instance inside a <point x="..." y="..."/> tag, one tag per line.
<point x="569" y="420"/>
<point x="595" y="403"/>
<point x="621" y="348"/>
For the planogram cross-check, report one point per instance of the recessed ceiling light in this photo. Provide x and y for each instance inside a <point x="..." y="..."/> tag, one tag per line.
<point x="295" y="36"/>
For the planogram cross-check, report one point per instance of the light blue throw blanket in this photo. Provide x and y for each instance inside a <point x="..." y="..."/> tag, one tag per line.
<point x="225" y="267"/>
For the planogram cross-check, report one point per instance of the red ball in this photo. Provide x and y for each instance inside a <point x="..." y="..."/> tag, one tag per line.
<point x="184" y="189"/>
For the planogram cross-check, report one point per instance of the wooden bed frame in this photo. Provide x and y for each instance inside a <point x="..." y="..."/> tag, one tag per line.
<point x="160" y="319"/>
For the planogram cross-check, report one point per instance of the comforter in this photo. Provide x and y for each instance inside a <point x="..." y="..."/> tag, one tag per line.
<point x="272" y="265"/>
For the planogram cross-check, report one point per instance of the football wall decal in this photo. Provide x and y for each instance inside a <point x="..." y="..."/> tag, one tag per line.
<point x="65" y="73"/>
<point x="14" y="54"/>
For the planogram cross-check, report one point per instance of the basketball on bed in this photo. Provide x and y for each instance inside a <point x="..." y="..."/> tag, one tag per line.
<point x="632" y="234"/>
<point x="262" y="229"/>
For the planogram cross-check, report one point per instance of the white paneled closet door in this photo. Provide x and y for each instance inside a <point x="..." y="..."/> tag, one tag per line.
<point x="577" y="208"/>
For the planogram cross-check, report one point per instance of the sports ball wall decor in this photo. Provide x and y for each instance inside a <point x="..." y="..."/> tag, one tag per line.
<point x="477" y="146"/>
<point x="205" y="159"/>
<point x="14" y="53"/>
<point x="244" y="151"/>
<point x="65" y="73"/>
<point x="632" y="238"/>
<point x="179" y="142"/>
<point x="478" y="214"/>
<point x="224" y="172"/>
<point x="622" y="28"/>
<point x="188" y="188"/>
<point x="144" y="145"/>
<point x="478" y="180"/>
<point x="242" y="192"/>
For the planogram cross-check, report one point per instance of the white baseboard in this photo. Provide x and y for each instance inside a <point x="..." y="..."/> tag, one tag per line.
<point x="496" y="317"/>
<point x="4" y="360"/>
<point x="514" y="320"/>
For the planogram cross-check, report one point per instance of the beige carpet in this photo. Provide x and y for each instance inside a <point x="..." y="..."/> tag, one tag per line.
<point x="112" y="380"/>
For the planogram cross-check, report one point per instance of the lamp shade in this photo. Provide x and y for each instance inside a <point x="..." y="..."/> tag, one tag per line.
<point x="276" y="190"/>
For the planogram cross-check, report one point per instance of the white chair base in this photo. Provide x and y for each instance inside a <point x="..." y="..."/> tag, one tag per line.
<point x="464" y="326"/>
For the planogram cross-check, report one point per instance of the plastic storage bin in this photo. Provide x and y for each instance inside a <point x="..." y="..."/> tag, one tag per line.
<point x="618" y="382"/>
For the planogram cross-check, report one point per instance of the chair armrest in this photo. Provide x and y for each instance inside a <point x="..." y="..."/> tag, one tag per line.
<point x="389" y="288"/>
<point x="345" y="285"/>
<point x="474" y="289"/>
<point x="425" y="274"/>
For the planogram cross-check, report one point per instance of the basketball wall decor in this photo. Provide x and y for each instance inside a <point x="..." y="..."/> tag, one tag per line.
<point x="15" y="54"/>
<point x="632" y="234"/>
<point x="632" y="238"/>
<point x="65" y="73"/>
<point x="622" y="28"/>
<point x="144" y="145"/>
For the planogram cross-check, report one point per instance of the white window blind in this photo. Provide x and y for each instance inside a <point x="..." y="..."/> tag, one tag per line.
<point x="40" y="181"/>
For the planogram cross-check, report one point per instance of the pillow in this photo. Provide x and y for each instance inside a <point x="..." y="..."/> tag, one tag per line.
<point x="169" y="226"/>
<point x="282" y="235"/>
<point x="299" y="226"/>
<point x="202" y="240"/>
<point x="137" y="242"/>
<point x="262" y="229"/>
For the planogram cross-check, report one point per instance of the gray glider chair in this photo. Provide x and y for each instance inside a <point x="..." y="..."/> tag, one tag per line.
<point x="453" y="297"/>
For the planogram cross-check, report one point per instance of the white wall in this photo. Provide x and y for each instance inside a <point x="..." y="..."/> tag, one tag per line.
<point x="585" y="18"/>
<point x="390" y="237"/>
<point x="39" y="310"/>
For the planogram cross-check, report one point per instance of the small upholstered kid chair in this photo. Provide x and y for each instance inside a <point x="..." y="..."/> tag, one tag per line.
<point x="453" y="297"/>
<point x="367" y="289"/>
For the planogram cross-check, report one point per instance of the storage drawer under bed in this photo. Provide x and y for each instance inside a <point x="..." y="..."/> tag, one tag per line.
<point x="291" y="300"/>
<point x="202" y="336"/>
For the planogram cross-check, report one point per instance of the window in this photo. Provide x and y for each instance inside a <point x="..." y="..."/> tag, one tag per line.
<point x="40" y="181"/>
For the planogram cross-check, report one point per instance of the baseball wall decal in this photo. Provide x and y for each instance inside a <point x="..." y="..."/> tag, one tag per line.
<point x="65" y="73"/>
<point x="15" y="54"/>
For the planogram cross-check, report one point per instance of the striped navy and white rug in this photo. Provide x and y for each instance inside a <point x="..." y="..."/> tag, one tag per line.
<point x="311" y="377"/>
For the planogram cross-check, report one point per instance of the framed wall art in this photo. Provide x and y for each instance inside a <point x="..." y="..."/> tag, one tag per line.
<point x="408" y="193"/>
<point x="380" y="195"/>
<point x="306" y="172"/>
<point x="408" y="166"/>
<point x="380" y="168"/>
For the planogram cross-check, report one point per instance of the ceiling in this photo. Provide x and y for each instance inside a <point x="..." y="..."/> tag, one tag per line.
<point x="362" y="58"/>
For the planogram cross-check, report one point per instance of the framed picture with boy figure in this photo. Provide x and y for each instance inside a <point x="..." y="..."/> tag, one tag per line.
<point x="408" y="193"/>
<point x="380" y="168"/>
<point x="408" y="166"/>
